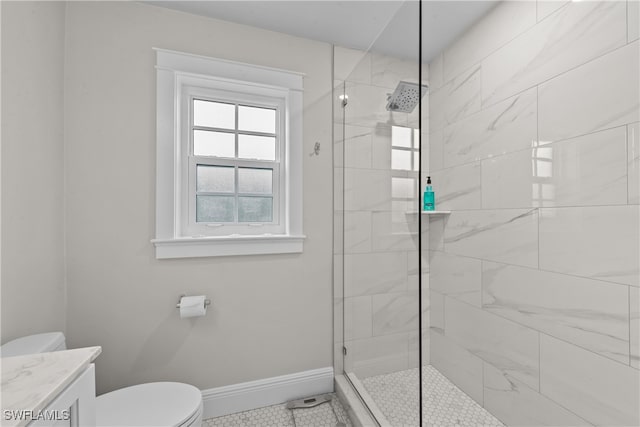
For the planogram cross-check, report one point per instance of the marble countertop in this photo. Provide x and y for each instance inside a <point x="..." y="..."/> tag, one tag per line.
<point x="32" y="381"/>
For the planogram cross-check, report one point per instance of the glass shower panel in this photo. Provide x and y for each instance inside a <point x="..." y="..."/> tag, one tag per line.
<point x="377" y="147"/>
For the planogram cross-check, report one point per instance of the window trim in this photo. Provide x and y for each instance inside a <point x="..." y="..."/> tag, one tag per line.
<point x="175" y="70"/>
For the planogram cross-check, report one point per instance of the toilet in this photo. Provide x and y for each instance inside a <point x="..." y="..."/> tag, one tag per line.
<point x="161" y="404"/>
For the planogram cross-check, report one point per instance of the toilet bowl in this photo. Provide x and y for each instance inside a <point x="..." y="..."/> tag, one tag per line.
<point x="151" y="404"/>
<point x="160" y="404"/>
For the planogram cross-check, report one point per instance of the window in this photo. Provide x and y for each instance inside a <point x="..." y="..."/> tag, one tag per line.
<point x="234" y="153"/>
<point x="228" y="158"/>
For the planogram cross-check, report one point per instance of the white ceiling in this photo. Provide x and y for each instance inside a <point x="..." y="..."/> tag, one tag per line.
<point x="389" y="27"/>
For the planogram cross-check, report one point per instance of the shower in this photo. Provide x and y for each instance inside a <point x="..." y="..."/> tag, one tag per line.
<point x="405" y="97"/>
<point x="473" y="314"/>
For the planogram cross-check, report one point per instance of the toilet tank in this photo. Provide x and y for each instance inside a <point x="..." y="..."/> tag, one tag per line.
<point x="31" y="344"/>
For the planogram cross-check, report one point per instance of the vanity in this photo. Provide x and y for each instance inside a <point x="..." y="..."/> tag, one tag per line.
<point x="49" y="389"/>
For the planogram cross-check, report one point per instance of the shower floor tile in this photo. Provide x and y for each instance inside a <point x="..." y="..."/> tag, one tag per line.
<point x="279" y="416"/>
<point x="396" y="395"/>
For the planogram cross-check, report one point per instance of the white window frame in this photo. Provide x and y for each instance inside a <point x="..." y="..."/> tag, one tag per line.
<point x="211" y="90"/>
<point x="180" y="77"/>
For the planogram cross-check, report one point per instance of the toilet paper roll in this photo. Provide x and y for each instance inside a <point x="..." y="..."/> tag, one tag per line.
<point x="193" y="306"/>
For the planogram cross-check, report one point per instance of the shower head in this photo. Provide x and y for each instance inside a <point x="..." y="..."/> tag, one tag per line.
<point x="405" y="97"/>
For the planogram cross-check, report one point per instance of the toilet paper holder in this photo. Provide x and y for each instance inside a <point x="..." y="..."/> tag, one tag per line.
<point x="207" y="302"/>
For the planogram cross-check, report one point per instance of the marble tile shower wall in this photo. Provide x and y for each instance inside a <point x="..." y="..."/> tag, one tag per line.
<point x="534" y="277"/>
<point x="376" y="241"/>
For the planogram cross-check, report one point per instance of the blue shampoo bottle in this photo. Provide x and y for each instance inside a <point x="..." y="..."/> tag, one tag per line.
<point x="429" y="199"/>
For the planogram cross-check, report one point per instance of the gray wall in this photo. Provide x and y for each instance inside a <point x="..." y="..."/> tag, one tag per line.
<point x="33" y="293"/>
<point x="534" y="276"/>
<point x="271" y="315"/>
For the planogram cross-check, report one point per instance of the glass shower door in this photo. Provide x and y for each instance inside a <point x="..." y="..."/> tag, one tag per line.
<point x="376" y="251"/>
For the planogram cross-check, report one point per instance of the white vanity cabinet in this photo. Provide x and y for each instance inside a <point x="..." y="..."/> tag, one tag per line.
<point x="50" y="389"/>
<point x="75" y="406"/>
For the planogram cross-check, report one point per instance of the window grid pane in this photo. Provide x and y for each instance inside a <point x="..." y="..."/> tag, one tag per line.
<point x="215" y="179"/>
<point x="214" y="144"/>
<point x="228" y="194"/>
<point x="255" y="209"/>
<point x="256" y="119"/>
<point x="214" y="114"/>
<point x="215" y="208"/>
<point x="234" y="131"/>
<point x="256" y="147"/>
<point x="254" y="130"/>
<point x="255" y="181"/>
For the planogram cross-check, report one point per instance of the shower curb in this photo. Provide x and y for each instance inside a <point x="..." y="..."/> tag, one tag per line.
<point x="359" y="413"/>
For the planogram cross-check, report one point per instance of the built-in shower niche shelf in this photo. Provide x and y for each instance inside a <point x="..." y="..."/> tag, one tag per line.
<point x="435" y="213"/>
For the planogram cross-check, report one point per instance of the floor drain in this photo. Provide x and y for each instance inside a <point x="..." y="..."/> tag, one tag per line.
<point x="308" y="412"/>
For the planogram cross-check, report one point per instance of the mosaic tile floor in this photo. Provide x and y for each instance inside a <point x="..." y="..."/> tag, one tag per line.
<point x="445" y="404"/>
<point x="397" y="397"/>
<point x="279" y="416"/>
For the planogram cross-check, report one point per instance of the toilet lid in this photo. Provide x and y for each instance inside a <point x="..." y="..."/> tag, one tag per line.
<point x="153" y="404"/>
<point x="33" y="344"/>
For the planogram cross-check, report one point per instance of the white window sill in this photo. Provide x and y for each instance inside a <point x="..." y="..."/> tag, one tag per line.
<point x="194" y="247"/>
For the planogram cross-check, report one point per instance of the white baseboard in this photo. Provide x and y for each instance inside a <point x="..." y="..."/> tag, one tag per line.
<point x="269" y="391"/>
